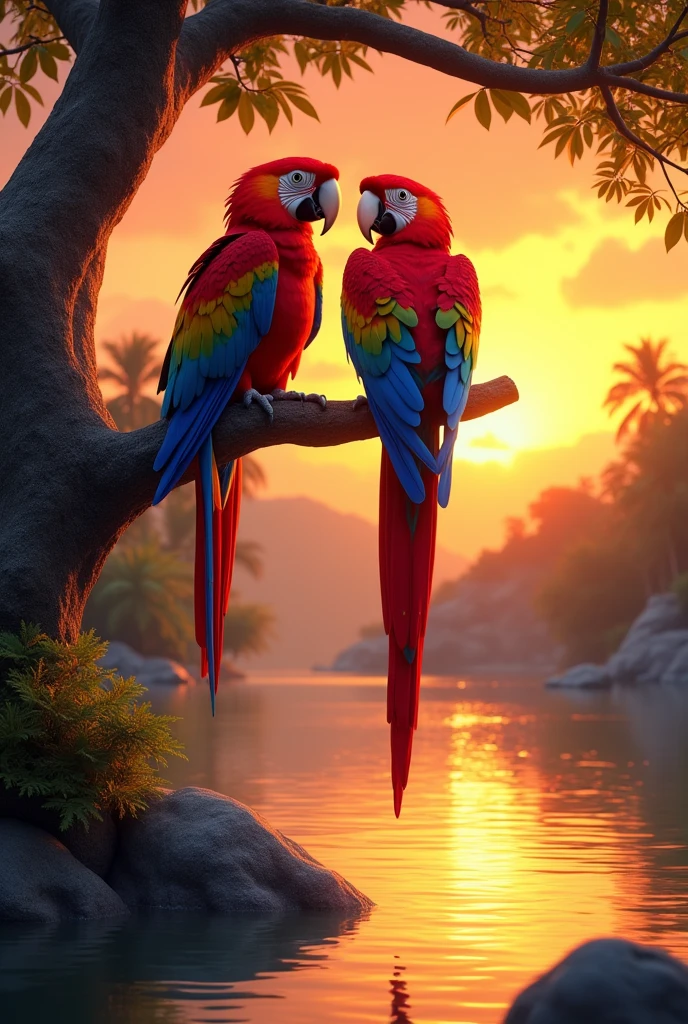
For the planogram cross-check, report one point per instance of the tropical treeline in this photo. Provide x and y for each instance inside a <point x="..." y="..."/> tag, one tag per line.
<point x="590" y="556"/>
<point x="144" y="596"/>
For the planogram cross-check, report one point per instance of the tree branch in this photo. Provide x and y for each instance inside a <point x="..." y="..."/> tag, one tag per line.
<point x="599" y="35"/>
<point x="210" y="36"/>
<point x="642" y="63"/>
<point x="35" y="41"/>
<point x="75" y="18"/>
<point x="241" y="431"/>
<point x="633" y="85"/>
<point x="617" y="120"/>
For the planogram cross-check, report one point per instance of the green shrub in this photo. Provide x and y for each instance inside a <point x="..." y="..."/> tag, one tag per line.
<point x="74" y="733"/>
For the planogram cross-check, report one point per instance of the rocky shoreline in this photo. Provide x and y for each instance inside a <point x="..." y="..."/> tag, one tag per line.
<point x="654" y="651"/>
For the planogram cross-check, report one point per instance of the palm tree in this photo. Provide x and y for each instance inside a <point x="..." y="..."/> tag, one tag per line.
<point x="134" y="364"/>
<point x="658" y="388"/>
<point x="143" y="598"/>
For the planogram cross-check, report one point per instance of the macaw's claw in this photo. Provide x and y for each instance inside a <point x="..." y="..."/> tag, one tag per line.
<point x="264" y="401"/>
<point x="359" y="403"/>
<point x="299" y="396"/>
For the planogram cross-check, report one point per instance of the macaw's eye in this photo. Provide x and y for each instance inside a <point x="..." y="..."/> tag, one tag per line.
<point x="403" y="195"/>
<point x="297" y="177"/>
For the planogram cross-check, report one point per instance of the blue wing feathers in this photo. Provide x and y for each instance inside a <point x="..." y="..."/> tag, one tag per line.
<point x="199" y="389"/>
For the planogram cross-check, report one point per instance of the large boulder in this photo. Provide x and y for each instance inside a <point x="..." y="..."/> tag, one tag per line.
<point x="645" y="657"/>
<point x="41" y="881"/>
<point x="583" y="677"/>
<point x="676" y="674"/>
<point x="608" y="981"/>
<point x="199" y="850"/>
<point x="148" y="671"/>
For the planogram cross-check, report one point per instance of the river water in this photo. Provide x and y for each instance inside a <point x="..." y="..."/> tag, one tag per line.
<point x="533" y="820"/>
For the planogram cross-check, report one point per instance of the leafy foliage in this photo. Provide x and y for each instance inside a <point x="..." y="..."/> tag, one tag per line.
<point x="142" y="597"/>
<point x="248" y="628"/>
<point x="640" y="547"/>
<point x="75" y="734"/>
<point x="634" y="129"/>
<point x="657" y="386"/>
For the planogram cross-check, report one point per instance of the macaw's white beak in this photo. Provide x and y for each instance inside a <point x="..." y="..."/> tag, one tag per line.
<point x="369" y="211"/>
<point x="328" y="197"/>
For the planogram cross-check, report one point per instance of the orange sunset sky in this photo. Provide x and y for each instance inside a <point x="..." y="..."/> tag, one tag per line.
<point x="565" y="278"/>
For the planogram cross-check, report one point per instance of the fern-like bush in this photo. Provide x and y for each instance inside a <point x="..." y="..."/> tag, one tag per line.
<point x="76" y="734"/>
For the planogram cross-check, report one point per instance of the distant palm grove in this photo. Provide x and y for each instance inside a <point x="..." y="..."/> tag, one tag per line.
<point x="144" y="596"/>
<point x="590" y="556"/>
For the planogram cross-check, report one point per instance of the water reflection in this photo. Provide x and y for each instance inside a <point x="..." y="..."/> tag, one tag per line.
<point x="167" y="969"/>
<point x="400" y="997"/>
<point x="533" y="820"/>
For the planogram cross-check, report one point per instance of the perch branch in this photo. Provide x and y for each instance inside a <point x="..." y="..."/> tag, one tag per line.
<point x="241" y="431"/>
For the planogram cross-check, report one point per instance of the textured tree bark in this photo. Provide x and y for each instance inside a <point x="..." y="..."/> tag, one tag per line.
<point x="69" y="483"/>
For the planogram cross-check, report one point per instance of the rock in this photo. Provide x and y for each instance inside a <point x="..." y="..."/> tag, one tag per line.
<point x="484" y="628"/>
<point x="148" y="671"/>
<point x="608" y="981"/>
<point x="677" y="672"/>
<point x="199" y="850"/>
<point x="586" y="677"/>
<point x="95" y="848"/>
<point x="644" y="657"/>
<point x="41" y="881"/>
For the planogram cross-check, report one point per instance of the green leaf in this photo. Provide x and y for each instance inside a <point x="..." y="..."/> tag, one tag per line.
<point x="305" y="106"/>
<point x="501" y="103"/>
<point x="301" y="54"/>
<point x="23" y="107"/>
<point x="674" y="229"/>
<point x="612" y="37"/>
<point x="355" y="59"/>
<point x="33" y="92"/>
<point x="29" y="66"/>
<point x="225" y="90"/>
<point x="459" y="105"/>
<point x="266" y="105"/>
<point x="574" y="22"/>
<point x="228" y="107"/>
<point x="60" y="51"/>
<point x="5" y="100"/>
<point x="520" y="105"/>
<point x="483" y="111"/>
<point x="247" y="115"/>
<point x="48" y="64"/>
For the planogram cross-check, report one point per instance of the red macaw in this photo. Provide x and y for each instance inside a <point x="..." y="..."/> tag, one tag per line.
<point x="252" y="303"/>
<point x="411" y="321"/>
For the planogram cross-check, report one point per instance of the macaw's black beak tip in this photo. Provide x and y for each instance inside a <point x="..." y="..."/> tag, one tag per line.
<point x="384" y="223"/>
<point x="309" y="209"/>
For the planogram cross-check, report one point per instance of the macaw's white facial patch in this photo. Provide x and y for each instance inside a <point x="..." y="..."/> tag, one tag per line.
<point x="294" y="187"/>
<point x="402" y="204"/>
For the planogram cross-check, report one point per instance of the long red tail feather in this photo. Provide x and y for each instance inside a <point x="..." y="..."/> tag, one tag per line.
<point x="407" y="555"/>
<point x="225" y="529"/>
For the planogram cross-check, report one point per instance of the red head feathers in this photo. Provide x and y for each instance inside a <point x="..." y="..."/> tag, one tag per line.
<point x="403" y="210"/>
<point x="287" y="193"/>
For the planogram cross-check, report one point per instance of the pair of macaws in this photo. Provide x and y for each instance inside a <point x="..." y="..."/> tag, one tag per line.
<point x="411" y="321"/>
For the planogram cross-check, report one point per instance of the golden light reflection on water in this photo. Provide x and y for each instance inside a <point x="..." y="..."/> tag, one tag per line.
<point x="532" y="821"/>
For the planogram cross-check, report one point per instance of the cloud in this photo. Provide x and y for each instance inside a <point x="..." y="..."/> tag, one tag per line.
<point x="327" y="371"/>
<point x="616" y="275"/>
<point x="495" y="292"/>
<point x="490" y="441"/>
